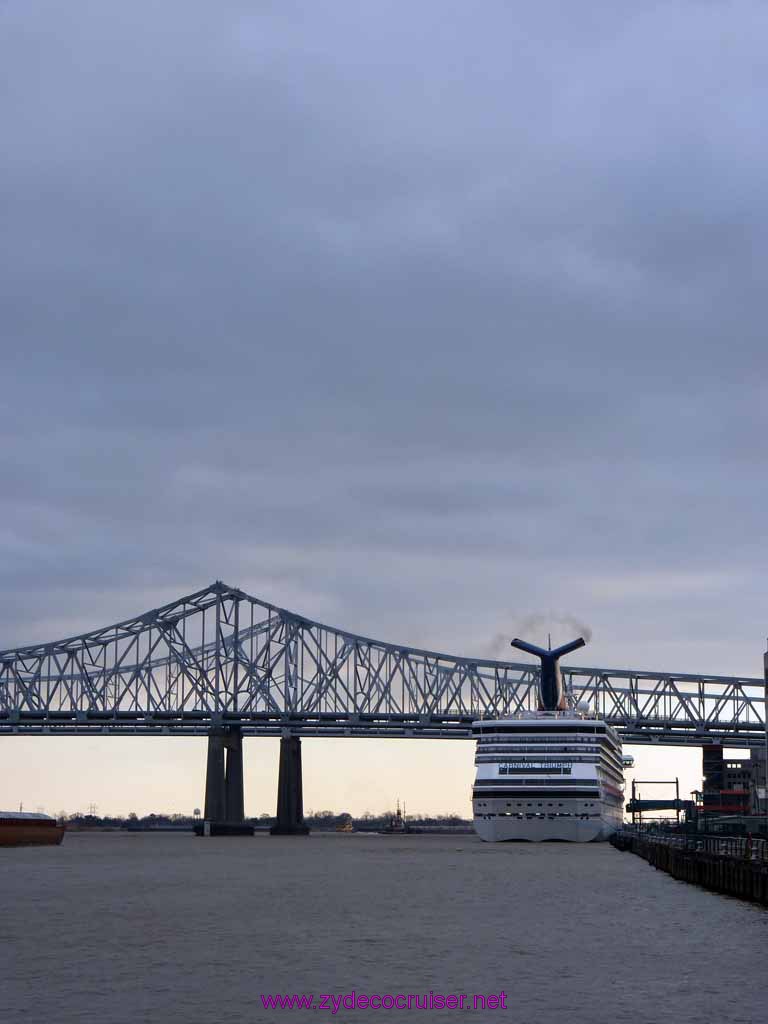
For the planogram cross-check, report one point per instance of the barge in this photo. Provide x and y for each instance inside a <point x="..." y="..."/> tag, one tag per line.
<point x="20" y="828"/>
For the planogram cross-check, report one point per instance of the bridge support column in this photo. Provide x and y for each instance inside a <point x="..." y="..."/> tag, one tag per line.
<point x="290" y="803"/>
<point x="215" y="790"/>
<point x="233" y="777"/>
<point x="224" y="808"/>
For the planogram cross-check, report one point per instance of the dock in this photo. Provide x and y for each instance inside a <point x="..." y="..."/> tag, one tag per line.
<point x="734" y="866"/>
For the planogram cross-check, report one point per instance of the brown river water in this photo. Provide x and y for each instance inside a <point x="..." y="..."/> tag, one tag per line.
<point x="162" y="928"/>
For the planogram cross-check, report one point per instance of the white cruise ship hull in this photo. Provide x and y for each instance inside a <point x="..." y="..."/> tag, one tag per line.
<point x="501" y="829"/>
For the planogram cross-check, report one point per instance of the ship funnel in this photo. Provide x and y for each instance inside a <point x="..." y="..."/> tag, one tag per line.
<point x="551" y="692"/>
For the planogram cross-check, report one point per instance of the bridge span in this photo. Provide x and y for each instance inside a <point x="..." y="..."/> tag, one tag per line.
<point x="225" y="664"/>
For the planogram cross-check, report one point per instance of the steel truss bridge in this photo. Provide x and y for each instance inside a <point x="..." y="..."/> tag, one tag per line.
<point x="221" y="658"/>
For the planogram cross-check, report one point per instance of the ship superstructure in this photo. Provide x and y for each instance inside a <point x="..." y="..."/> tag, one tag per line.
<point x="552" y="774"/>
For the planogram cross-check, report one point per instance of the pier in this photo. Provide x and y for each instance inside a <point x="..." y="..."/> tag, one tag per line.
<point x="731" y="866"/>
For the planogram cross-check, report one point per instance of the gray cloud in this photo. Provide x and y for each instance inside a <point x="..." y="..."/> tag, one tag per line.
<point x="409" y="321"/>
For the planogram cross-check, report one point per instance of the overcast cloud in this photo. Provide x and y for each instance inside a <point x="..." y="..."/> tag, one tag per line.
<point x="426" y="320"/>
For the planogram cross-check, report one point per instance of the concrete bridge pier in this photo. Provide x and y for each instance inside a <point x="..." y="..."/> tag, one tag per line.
<point x="290" y="802"/>
<point x="233" y="776"/>
<point x="215" y="785"/>
<point x="224" y="804"/>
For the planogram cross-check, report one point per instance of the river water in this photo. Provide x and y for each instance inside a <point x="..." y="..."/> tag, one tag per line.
<point x="117" y="927"/>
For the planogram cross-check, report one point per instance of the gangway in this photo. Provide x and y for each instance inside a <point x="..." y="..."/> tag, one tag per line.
<point x="637" y="805"/>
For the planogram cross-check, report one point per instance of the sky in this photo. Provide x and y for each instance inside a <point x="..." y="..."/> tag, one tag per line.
<point x="435" y="322"/>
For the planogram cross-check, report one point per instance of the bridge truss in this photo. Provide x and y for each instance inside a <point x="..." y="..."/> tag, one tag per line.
<point x="221" y="657"/>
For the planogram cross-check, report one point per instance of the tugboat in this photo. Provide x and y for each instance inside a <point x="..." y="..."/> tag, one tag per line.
<point x="398" y="824"/>
<point x="20" y="828"/>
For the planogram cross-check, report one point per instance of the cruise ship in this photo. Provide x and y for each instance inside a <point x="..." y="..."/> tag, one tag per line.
<point x="552" y="774"/>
